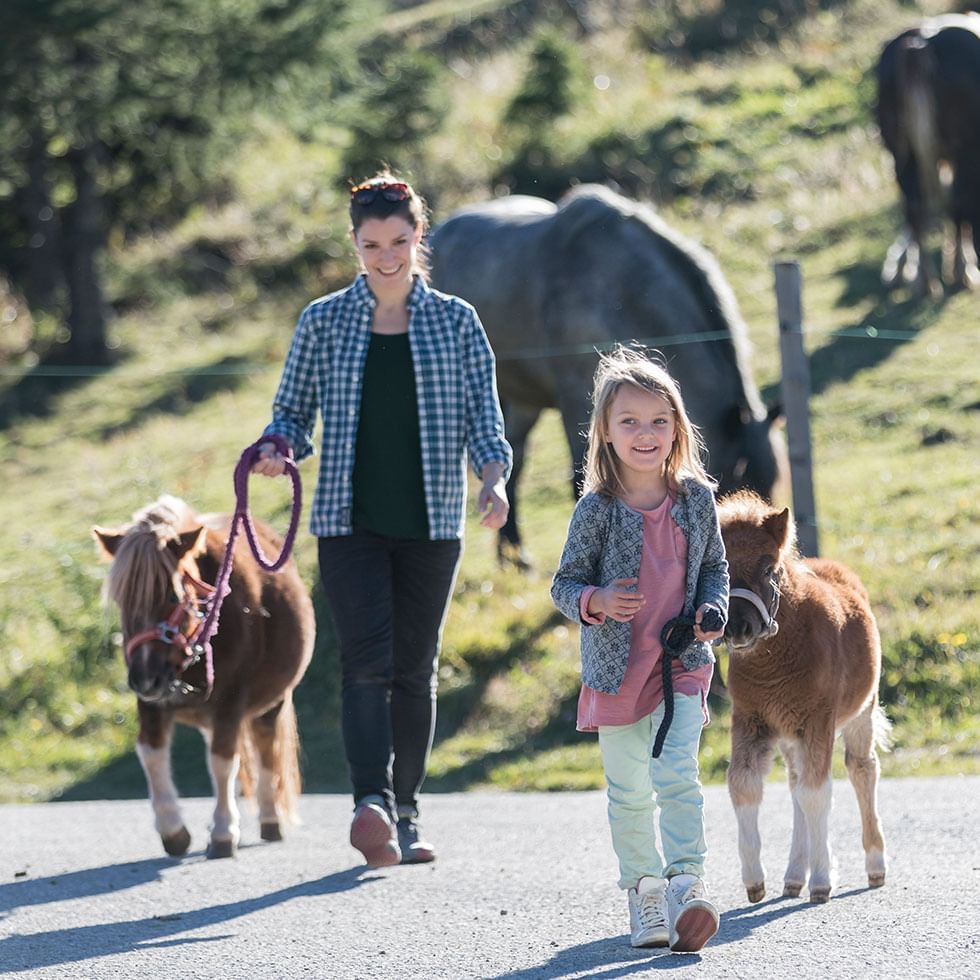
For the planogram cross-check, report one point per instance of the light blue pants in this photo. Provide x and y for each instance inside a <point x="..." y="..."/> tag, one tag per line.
<point x="638" y="784"/>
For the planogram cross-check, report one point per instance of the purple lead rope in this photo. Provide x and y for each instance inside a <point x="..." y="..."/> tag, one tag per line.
<point x="202" y="636"/>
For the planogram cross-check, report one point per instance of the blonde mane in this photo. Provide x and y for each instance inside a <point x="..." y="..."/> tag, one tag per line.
<point x="144" y="570"/>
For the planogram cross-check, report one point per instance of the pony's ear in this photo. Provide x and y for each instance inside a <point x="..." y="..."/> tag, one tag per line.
<point x="777" y="526"/>
<point x="106" y="542"/>
<point x="191" y="543"/>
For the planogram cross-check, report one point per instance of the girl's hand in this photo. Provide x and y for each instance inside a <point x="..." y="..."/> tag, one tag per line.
<point x="270" y="462"/>
<point x="616" y="601"/>
<point x="711" y="634"/>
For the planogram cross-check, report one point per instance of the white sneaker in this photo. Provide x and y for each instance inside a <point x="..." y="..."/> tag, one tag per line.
<point x="648" y="912"/>
<point x="693" y="919"/>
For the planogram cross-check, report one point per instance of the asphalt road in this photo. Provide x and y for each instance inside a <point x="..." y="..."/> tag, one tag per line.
<point x="524" y="888"/>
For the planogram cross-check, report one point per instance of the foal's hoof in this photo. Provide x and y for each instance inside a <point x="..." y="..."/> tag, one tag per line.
<point x="792" y="890"/>
<point x="271" y="831"/>
<point x="876" y="880"/>
<point x="177" y="844"/>
<point x="756" y="893"/>
<point x="221" y="849"/>
<point x="820" y="895"/>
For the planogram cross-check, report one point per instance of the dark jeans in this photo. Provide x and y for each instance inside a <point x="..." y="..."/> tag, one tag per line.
<point x="388" y="599"/>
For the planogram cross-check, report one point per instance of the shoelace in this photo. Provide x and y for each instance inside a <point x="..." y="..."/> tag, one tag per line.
<point x="652" y="912"/>
<point x="693" y="891"/>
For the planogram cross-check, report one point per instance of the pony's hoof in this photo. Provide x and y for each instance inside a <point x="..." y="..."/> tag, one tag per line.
<point x="756" y="893"/>
<point x="876" y="880"/>
<point x="221" y="849"/>
<point x="792" y="890"/>
<point x="176" y="845"/>
<point x="271" y="831"/>
<point x="819" y="895"/>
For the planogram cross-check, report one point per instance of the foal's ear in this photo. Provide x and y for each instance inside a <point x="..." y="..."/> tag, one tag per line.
<point x="778" y="527"/>
<point x="106" y="542"/>
<point x="191" y="543"/>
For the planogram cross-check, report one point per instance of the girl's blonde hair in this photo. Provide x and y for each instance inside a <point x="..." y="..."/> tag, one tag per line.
<point x="624" y="366"/>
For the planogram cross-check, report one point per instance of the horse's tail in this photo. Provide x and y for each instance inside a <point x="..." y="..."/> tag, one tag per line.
<point x="881" y="728"/>
<point x="919" y="130"/>
<point x="285" y="762"/>
<point x="289" y="781"/>
<point x="246" y="762"/>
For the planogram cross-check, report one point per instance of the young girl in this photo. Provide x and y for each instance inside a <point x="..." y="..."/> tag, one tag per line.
<point x="643" y="547"/>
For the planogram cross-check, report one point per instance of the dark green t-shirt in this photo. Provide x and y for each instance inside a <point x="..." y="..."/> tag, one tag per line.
<point x="389" y="492"/>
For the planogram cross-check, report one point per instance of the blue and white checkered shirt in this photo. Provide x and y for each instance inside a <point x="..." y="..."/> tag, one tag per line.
<point x="455" y="381"/>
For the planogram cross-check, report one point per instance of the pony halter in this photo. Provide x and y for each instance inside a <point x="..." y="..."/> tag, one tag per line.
<point x="768" y="613"/>
<point x="171" y="630"/>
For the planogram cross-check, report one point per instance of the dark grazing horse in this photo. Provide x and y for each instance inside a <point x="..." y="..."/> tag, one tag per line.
<point x="163" y="565"/>
<point x="553" y="284"/>
<point x="804" y="664"/>
<point x="929" y="114"/>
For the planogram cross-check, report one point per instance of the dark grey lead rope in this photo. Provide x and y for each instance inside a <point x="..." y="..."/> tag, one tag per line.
<point x="676" y="636"/>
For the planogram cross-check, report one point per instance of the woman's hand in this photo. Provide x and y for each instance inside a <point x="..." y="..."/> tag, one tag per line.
<point x="711" y="634"/>
<point x="616" y="600"/>
<point x="271" y="462"/>
<point x="492" y="503"/>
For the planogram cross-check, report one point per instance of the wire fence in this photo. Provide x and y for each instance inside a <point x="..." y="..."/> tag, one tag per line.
<point x="869" y="333"/>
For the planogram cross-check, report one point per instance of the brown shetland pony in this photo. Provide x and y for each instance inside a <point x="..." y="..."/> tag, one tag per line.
<point x="804" y="661"/>
<point x="161" y="564"/>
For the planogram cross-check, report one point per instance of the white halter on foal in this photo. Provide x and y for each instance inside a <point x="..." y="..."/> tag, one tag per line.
<point x="769" y="625"/>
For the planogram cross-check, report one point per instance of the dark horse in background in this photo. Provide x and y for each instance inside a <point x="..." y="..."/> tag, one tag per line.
<point x="554" y="283"/>
<point x="929" y="116"/>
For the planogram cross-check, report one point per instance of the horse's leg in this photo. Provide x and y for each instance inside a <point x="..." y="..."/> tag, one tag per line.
<point x="919" y="271"/>
<point x="277" y="743"/>
<point x="153" y="749"/>
<point x="893" y="269"/>
<point x="223" y="762"/>
<point x="799" y="849"/>
<point x="814" y="793"/>
<point x="573" y="403"/>
<point x="518" y="422"/>
<point x="960" y="260"/>
<point x="751" y="760"/>
<point x="861" y="758"/>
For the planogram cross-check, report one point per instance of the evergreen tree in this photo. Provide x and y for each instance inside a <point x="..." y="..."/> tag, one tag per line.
<point x="111" y="113"/>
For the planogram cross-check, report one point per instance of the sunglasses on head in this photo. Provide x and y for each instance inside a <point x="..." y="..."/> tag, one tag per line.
<point x="367" y="193"/>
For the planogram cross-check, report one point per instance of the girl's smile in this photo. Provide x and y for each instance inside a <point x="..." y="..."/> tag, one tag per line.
<point x="640" y="430"/>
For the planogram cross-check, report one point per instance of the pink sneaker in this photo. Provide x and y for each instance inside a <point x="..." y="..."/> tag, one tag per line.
<point x="372" y="832"/>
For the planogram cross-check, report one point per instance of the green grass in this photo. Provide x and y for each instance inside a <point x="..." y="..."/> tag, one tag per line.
<point x="775" y="157"/>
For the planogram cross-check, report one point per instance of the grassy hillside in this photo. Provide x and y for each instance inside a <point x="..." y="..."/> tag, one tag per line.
<point x="763" y="150"/>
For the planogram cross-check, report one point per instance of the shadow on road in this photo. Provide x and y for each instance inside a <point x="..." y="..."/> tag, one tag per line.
<point x="738" y="924"/>
<point x="73" y="945"/>
<point x="605" y="959"/>
<point x="613" y="957"/>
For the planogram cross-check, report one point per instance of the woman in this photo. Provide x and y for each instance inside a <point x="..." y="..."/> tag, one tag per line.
<point x="405" y="381"/>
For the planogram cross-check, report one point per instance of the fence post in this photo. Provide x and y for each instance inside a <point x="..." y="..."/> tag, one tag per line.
<point x="796" y="401"/>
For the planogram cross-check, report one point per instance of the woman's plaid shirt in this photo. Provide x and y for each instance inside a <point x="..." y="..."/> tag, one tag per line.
<point x="455" y="381"/>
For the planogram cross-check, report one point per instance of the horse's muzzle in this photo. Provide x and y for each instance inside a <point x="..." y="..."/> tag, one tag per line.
<point x="151" y="681"/>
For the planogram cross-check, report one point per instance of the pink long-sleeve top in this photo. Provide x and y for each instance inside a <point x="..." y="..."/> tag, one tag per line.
<point x="662" y="577"/>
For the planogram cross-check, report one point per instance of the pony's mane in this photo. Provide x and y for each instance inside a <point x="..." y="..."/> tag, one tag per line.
<point x="596" y="207"/>
<point x="144" y="569"/>
<point x="747" y="507"/>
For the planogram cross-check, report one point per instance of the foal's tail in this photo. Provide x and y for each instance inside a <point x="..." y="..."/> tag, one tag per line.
<point x="881" y="728"/>
<point x="285" y="762"/>
<point x="289" y="782"/>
